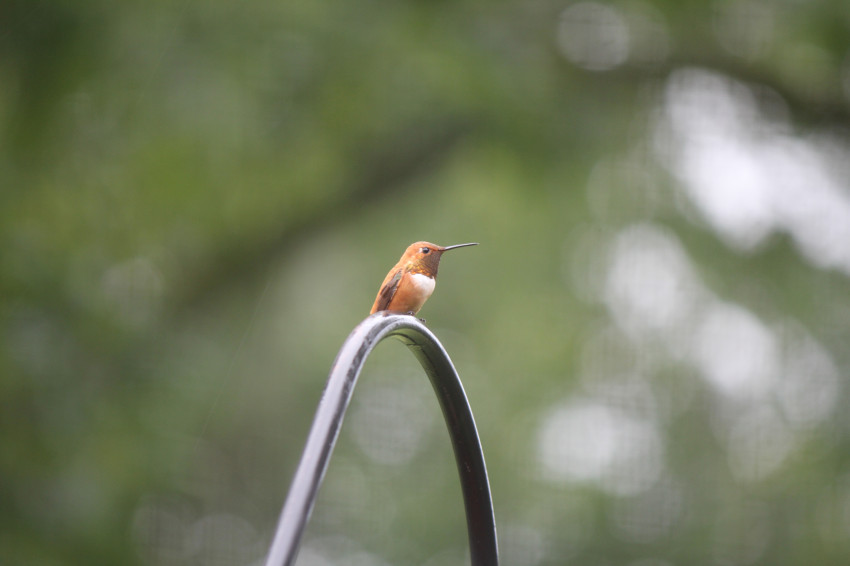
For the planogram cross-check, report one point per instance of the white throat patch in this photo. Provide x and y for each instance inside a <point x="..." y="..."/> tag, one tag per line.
<point x="423" y="283"/>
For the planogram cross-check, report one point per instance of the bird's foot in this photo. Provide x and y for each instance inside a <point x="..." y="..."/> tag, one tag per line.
<point x="411" y="313"/>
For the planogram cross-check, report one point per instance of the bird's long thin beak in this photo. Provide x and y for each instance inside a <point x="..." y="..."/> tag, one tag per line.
<point x="459" y="246"/>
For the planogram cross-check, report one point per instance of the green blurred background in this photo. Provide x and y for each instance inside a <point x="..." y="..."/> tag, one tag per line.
<point x="200" y="199"/>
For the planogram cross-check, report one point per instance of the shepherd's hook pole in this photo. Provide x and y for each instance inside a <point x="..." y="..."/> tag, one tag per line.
<point x="481" y="523"/>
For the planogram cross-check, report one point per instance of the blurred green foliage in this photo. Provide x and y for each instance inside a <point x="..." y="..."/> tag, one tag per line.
<point x="199" y="200"/>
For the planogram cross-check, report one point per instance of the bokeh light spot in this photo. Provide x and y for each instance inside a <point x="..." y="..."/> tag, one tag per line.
<point x="736" y="352"/>
<point x="390" y="423"/>
<point x="591" y="442"/>
<point x="594" y="36"/>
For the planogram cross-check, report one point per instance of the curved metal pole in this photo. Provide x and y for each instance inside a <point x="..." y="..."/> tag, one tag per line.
<point x="483" y="546"/>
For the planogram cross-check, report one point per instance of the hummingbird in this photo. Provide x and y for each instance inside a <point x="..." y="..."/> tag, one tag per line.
<point x="412" y="280"/>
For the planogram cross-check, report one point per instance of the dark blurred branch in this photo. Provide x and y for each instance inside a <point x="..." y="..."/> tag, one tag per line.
<point x="809" y="106"/>
<point x="47" y="49"/>
<point x="414" y="151"/>
<point x="812" y="106"/>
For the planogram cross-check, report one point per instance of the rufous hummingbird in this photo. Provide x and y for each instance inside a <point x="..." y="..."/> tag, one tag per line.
<point x="412" y="280"/>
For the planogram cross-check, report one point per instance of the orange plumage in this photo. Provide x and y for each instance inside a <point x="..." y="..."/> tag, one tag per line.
<point x="411" y="281"/>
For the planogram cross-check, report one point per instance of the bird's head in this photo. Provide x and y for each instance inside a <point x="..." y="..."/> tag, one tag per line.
<point x="424" y="257"/>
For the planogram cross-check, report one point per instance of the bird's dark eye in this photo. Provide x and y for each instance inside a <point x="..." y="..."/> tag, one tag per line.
<point x="425" y="250"/>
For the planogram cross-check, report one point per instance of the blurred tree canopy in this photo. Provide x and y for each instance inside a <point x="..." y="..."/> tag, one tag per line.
<point x="199" y="200"/>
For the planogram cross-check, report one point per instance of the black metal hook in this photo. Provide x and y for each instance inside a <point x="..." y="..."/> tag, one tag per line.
<point x="481" y="523"/>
